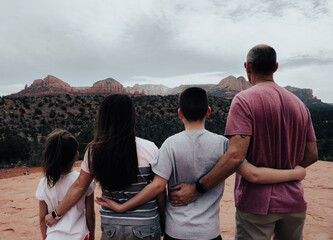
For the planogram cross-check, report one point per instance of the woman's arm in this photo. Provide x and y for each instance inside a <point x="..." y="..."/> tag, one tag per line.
<point x="145" y="195"/>
<point x="90" y="216"/>
<point x="73" y="195"/>
<point x="42" y="213"/>
<point x="263" y="175"/>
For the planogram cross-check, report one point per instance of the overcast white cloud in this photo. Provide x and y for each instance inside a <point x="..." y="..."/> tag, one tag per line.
<point x="164" y="42"/>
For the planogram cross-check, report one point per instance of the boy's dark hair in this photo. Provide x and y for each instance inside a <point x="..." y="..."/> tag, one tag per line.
<point x="262" y="59"/>
<point x="193" y="103"/>
<point x="58" y="155"/>
<point x="114" y="161"/>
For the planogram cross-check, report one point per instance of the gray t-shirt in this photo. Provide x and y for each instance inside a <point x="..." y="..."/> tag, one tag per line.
<point x="184" y="158"/>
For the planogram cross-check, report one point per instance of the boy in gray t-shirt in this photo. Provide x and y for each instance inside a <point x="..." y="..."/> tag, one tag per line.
<point x="184" y="158"/>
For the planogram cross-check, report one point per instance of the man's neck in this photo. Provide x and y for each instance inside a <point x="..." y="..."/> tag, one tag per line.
<point x="267" y="79"/>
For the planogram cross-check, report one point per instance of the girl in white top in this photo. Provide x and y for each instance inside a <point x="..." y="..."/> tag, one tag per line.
<point x="59" y="155"/>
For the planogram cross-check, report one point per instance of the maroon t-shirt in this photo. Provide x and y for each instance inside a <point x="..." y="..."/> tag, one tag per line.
<point x="279" y="125"/>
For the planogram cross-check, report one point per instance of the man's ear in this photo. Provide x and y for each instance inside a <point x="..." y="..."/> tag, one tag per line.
<point x="180" y="114"/>
<point x="248" y="68"/>
<point x="209" y="110"/>
<point x="77" y="155"/>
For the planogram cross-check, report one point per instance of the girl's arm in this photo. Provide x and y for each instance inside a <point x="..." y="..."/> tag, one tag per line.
<point x="90" y="216"/>
<point x="73" y="195"/>
<point x="263" y="175"/>
<point x="42" y="213"/>
<point x="145" y="195"/>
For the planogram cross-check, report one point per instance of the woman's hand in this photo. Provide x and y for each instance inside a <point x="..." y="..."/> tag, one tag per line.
<point x="105" y="202"/>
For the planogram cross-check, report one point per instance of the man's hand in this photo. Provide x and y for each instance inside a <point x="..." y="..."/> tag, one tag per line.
<point x="105" y="202"/>
<point x="301" y="172"/>
<point x="183" y="194"/>
<point x="50" y="221"/>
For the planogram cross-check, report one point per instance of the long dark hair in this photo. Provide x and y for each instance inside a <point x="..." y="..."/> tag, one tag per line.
<point x="58" y="155"/>
<point x="112" y="152"/>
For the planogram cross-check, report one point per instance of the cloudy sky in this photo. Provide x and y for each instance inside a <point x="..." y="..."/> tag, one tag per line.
<point x="163" y="41"/>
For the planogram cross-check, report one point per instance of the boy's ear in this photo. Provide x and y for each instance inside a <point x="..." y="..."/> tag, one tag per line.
<point x="209" y="110"/>
<point x="77" y="155"/>
<point x="180" y="114"/>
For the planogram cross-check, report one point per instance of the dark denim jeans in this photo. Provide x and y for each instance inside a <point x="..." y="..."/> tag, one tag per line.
<point x="150" y="232"/>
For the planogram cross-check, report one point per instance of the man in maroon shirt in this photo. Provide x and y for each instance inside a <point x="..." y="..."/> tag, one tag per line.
<point x="272" y="128"/>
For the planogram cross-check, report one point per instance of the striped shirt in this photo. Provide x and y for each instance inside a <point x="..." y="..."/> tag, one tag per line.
<point x="145" y="214"/>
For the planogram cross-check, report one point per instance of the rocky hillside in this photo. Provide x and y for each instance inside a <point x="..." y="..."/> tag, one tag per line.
<point x="227" y="88"/>
<point x="26" y="121"/>
<point x="306" y="95"/>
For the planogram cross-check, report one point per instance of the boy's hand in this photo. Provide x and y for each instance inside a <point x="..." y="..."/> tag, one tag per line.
<point x="183" y="194"/>
<point x="301" y="172"/>
<point x="105" y="202"/>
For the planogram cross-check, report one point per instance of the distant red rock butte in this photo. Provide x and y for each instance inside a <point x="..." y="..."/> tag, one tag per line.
<point x="54" y="86"/>
<point x="227" y="88"/>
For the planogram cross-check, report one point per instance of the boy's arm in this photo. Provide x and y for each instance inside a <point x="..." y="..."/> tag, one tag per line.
<point x="263" y="175"/>
<point x="90" y="216"/>
<point x="149" y="192"/>
<point x="161" y="201"/>
<point x="42" y="213"/>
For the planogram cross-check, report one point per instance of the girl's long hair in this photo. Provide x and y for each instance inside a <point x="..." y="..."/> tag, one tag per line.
<point x="112" y="152"/>
<point x="58" y="155"/>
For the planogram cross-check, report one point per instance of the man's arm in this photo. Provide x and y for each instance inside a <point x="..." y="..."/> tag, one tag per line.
<point x="263" y="175"/>
<point x="310" y="154"/>
<point x="149" y="192"/>
<point x="226" y="166"/>
<point x="90" y="215"/>
<point x="73" y="195"/>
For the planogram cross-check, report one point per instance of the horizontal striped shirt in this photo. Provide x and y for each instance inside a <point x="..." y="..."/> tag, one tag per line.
<point x="145" y="214"/>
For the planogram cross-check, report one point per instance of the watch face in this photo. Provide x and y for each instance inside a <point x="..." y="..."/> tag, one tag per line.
<point x="54" y="215"/>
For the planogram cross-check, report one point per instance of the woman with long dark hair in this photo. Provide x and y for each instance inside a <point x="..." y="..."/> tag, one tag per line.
<point x="119" y="161"/>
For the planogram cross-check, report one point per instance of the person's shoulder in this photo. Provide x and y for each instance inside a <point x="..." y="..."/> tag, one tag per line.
<point x="42" y="182"/>
<point x="146" y="151"/>
<point x="217" y="137"/>
<point x="75" y="173"/>
<point x="174" y="138"/>
<point x="140" y="142"/>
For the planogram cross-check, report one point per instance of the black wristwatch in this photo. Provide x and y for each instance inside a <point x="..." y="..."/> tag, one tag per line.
<point x="55" y="215"/>
<point x="199" y="187"/>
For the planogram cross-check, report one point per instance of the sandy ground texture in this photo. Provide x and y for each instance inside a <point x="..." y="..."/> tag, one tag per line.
<point x="19" y="207"/>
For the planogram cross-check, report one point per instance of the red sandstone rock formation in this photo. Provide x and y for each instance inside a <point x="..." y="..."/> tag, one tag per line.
<point x="229" y="87"/>
<point x="54" y="86"/>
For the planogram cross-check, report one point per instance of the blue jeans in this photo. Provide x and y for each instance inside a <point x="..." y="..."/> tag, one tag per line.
<point x="150" y="232"/>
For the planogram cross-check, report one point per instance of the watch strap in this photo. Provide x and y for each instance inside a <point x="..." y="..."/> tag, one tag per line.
<point x="55" y="214"/>
<point x="199" y="187"/>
